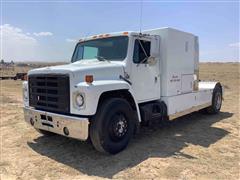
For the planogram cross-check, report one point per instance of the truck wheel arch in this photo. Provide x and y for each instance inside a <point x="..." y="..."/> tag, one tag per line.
<point x="125" y="94"/>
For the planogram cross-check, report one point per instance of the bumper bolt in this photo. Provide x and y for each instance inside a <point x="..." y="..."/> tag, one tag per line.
<point x="66" y="131"/>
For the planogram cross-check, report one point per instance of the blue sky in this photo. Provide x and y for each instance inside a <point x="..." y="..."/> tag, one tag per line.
<point x="46" y="31"/>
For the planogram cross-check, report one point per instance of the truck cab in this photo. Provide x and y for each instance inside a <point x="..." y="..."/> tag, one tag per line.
<point x="117" y="82"/>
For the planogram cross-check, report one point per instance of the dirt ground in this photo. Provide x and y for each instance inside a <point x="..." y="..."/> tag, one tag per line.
<point x="196" y="146"/>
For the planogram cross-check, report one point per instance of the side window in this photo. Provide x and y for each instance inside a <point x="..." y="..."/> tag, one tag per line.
<point x="141" y="51"/>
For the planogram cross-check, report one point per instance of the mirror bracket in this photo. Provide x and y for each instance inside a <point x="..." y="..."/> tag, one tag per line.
<point x="151" y="61"/>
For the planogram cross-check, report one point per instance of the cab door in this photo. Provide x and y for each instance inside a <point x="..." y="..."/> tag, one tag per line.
<point x="145" y="76"/>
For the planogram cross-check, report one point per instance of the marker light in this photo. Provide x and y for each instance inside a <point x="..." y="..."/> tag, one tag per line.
<point x="89" y="79"/>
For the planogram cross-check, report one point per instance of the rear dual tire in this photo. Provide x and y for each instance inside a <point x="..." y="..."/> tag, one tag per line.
<point x="113" y="126"/>
<point x="216" y="100"/>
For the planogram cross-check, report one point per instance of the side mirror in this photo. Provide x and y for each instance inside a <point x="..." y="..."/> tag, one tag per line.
<point x="155" y="46"/>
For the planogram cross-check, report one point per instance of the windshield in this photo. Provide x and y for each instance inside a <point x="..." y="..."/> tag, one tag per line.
<point x="112" y="49"/>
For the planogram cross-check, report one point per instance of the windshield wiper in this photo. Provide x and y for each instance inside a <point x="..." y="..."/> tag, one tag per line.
<point x="101" y="58"/>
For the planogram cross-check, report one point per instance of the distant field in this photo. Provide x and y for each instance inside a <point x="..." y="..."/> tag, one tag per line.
<point x="21" y="68"/>
<point x="196" y="146"/>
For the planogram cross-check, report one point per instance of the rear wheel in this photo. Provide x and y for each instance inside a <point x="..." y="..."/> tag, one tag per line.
<point x="216" y="100"/>
<point x="112" y="127"/>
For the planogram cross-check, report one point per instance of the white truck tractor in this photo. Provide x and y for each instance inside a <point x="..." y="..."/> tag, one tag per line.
<point x="117" y="82"/>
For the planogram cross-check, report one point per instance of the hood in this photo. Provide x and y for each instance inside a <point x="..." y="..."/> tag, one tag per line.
<point x="101" y="70"/>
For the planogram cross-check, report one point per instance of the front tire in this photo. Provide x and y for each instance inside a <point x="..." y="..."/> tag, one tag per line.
<point x="112" y="127"/>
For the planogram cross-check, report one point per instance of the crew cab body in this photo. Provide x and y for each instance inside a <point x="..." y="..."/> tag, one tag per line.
<point x="126" y="78"/>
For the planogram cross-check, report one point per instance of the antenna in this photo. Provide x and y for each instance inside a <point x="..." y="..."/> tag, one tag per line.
<point x="140" y="24"/>
<point x="86" y="35"/>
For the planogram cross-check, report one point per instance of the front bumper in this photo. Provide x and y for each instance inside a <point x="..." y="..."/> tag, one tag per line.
<point x="77" y="127"/>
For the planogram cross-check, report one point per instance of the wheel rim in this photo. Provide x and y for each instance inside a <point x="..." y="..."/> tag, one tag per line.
<point x="218" y="100"/>
<point x="119" y="127"/>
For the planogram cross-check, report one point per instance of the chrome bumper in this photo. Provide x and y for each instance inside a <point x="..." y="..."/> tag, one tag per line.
<point x="77" y="127"/>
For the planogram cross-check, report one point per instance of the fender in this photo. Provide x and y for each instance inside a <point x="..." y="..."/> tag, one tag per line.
<point x="207" y="85"/>
<point x="93" y="91"/>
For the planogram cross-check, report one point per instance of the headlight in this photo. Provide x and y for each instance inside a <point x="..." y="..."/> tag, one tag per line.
<point x="79" y="99"/>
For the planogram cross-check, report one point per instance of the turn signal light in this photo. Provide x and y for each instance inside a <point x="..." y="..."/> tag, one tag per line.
<point x="89" y="79"/>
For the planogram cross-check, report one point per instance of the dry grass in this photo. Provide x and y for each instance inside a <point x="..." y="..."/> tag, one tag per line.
<point x="196" y="146"/>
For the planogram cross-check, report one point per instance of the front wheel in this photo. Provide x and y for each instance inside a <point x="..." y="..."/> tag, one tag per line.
<point x="112" y="127"/>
